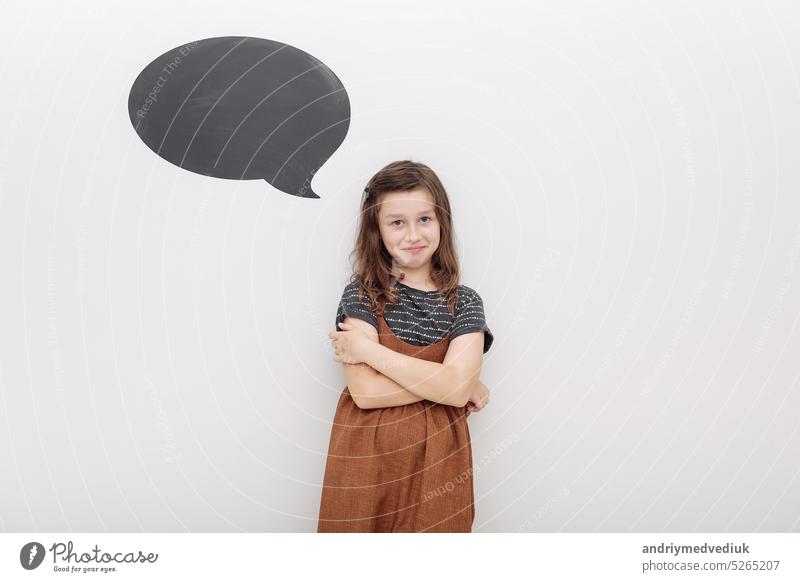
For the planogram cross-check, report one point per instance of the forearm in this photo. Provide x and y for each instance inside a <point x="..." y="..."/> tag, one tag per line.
<point x="428" y="380"/>
<point x="382" y="392"/>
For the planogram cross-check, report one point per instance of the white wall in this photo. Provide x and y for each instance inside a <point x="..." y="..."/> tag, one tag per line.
<point x="624" y="178"/>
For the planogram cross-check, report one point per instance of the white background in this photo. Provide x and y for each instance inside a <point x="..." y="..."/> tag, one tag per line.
<point x="624" y="177"/>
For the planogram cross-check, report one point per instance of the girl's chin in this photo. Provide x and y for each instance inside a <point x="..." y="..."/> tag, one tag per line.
<point x="412" y="262"/>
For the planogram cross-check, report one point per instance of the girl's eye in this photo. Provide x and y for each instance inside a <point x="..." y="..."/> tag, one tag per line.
<point x="428" y="217"/>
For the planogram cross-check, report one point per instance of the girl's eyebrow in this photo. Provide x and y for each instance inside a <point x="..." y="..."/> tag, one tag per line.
<point x="403" y="216"/>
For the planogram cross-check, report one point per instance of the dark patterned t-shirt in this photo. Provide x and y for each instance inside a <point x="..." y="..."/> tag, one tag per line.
<point x="422" y="317"/>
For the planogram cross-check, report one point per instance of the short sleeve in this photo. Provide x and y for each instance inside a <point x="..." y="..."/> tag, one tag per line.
<point x="470" y="317"/>
<point x="351" y="306"/>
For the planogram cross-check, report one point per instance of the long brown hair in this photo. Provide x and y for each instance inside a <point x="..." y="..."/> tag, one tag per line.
<point x="373" y="263"/>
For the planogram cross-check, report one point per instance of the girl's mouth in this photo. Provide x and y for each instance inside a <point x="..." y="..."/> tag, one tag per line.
<point x="414" y="250"/>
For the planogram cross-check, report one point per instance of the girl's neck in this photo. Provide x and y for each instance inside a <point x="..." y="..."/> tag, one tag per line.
<point x="421" y="283"/>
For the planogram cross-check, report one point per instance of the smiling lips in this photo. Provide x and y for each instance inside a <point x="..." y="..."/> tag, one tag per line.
<point x="414" y="249"/>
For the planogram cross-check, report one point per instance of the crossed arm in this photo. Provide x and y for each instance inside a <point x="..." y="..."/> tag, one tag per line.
<point x="388" y="378"/>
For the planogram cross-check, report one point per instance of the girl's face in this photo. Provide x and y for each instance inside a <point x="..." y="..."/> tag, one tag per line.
<point x="408" y="220"/>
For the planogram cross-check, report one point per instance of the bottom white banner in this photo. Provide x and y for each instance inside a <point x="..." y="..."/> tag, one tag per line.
<point x="511" y="556"/>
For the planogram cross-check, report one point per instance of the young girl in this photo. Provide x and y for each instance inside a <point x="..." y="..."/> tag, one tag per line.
<point x="412" y="341"/>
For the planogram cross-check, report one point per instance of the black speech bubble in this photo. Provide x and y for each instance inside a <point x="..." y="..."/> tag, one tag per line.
<point x="242" y="108"/>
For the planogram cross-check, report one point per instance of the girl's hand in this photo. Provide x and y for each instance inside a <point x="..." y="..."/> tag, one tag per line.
<point x="349" y="345"/>
<point x="478" y="399"/>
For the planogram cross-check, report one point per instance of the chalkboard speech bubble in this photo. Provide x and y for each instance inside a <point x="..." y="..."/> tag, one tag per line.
<point x="242" y="108"/>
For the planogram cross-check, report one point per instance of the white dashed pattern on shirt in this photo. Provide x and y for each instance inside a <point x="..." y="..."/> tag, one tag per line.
<point x="422" y="317"/>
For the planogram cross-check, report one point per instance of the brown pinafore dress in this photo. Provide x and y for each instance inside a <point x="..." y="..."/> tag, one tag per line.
<point x="399" y="469"/>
